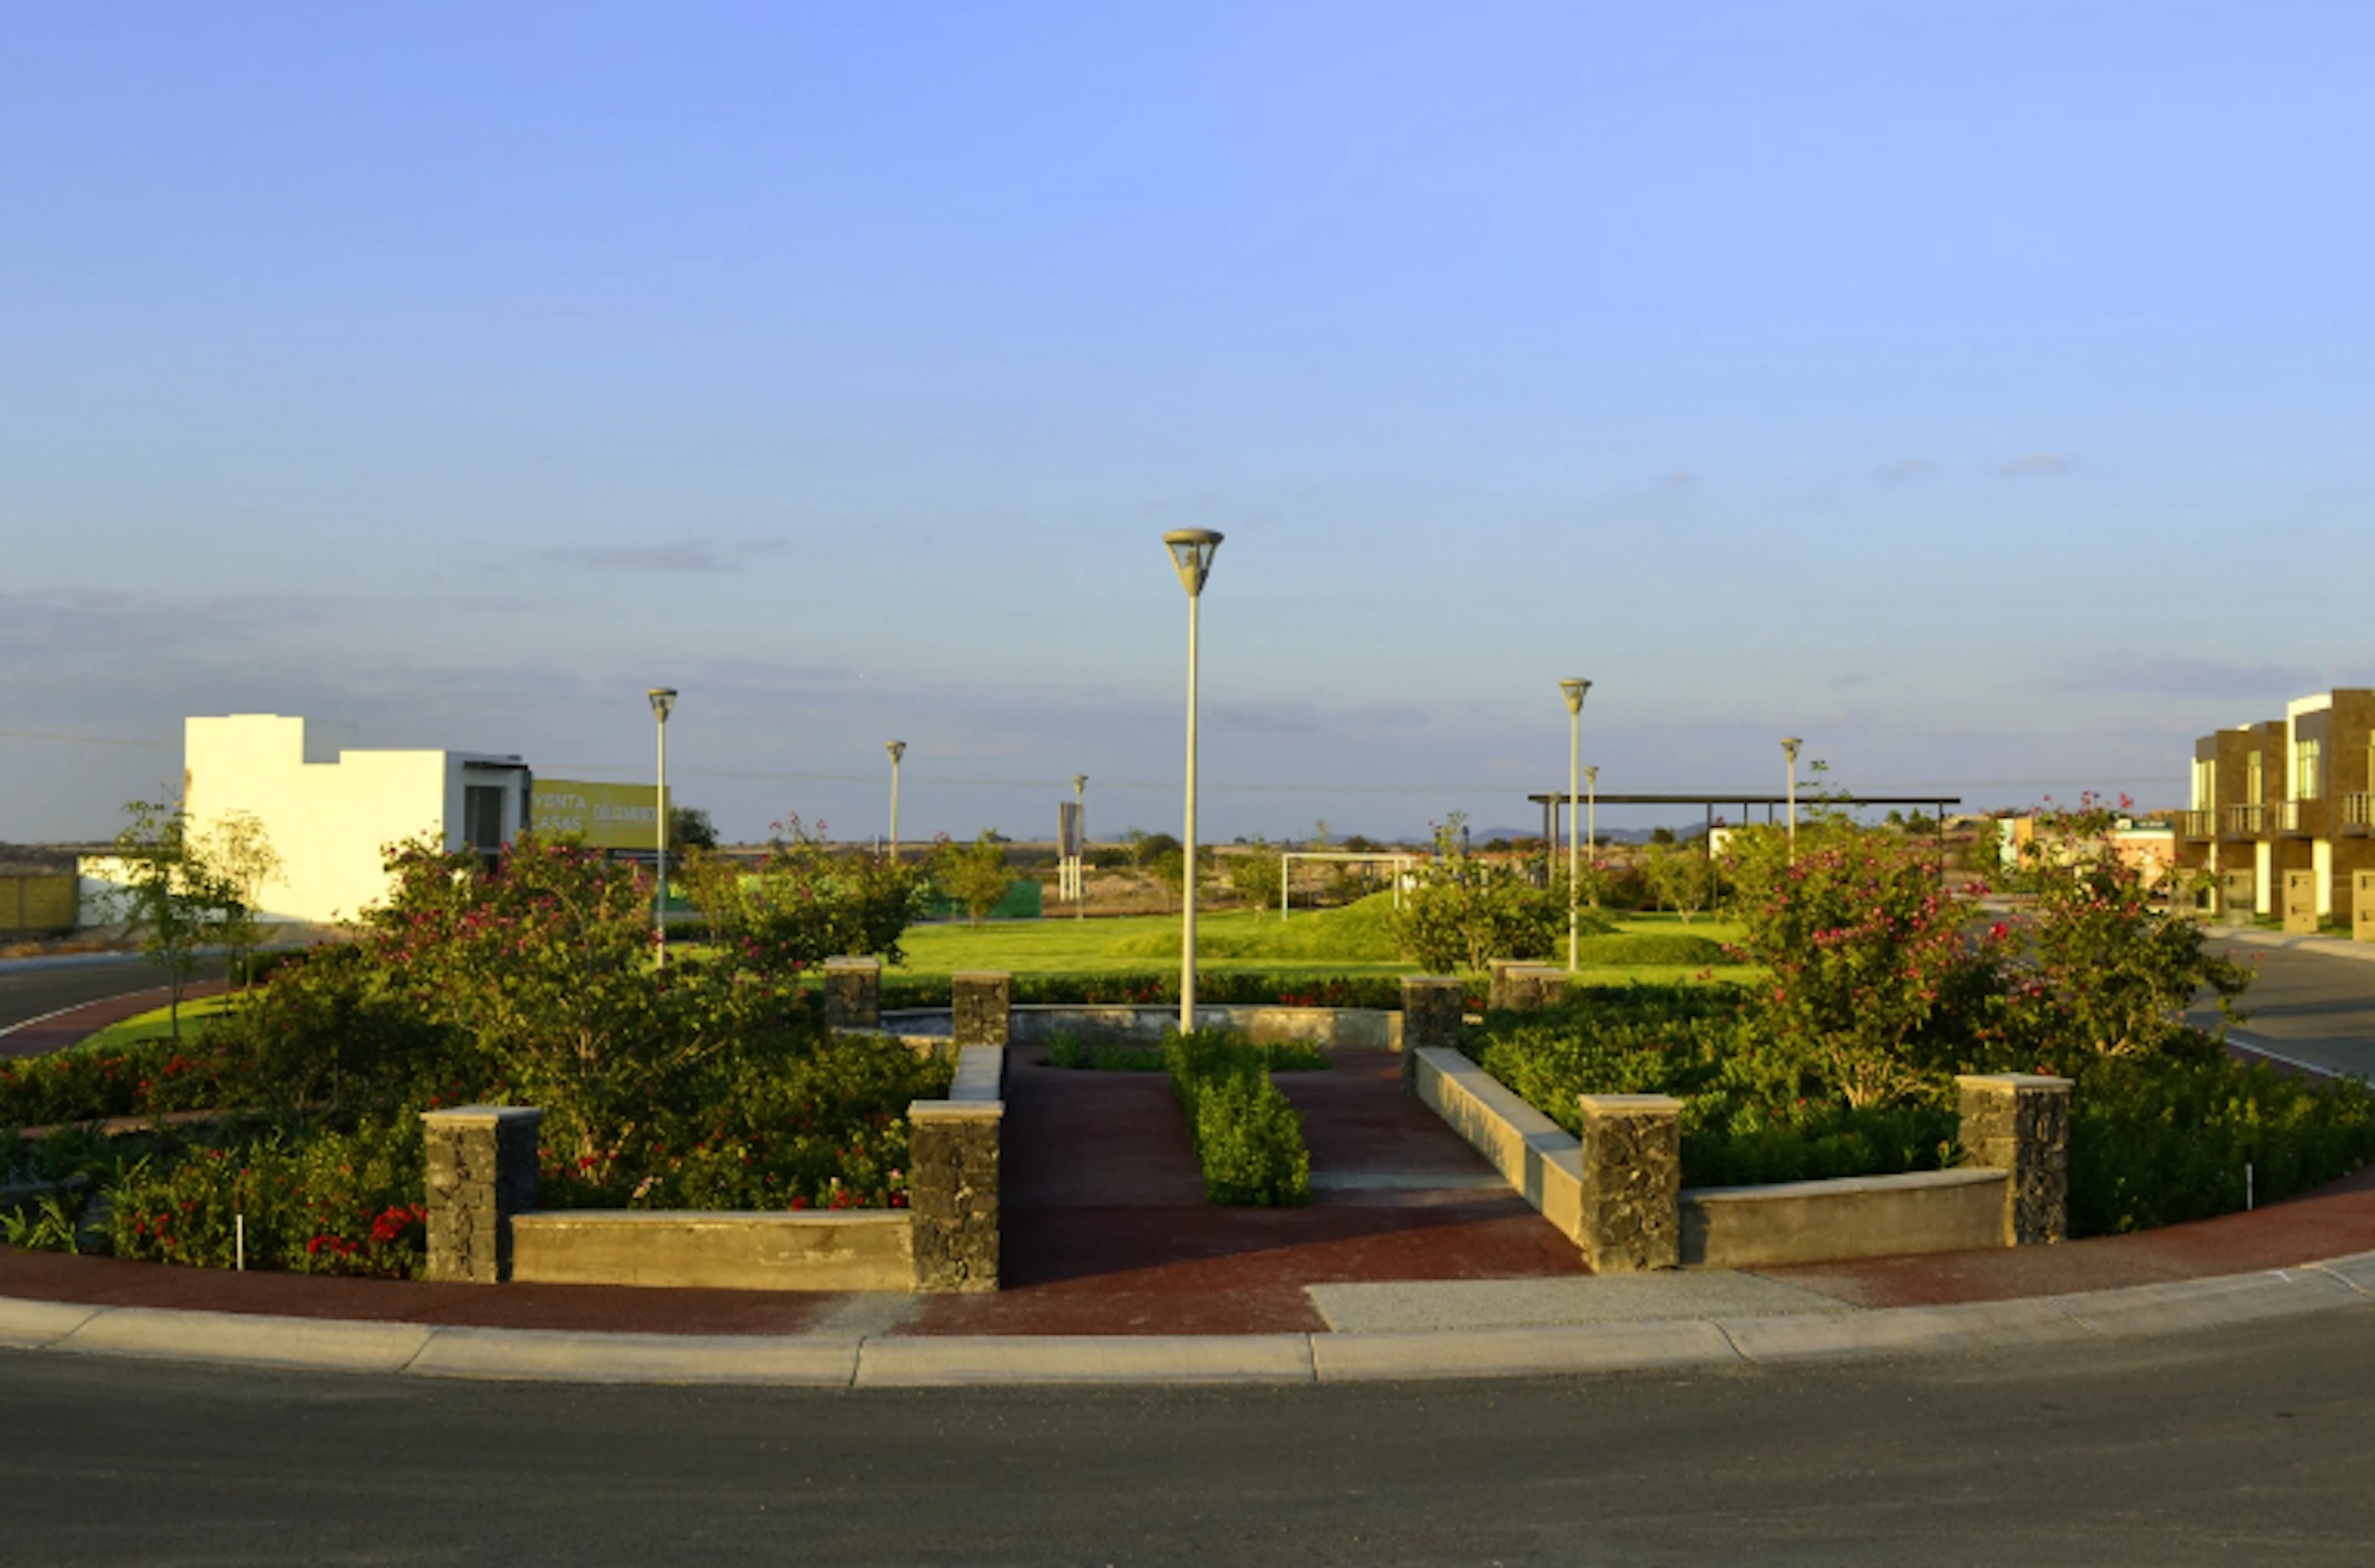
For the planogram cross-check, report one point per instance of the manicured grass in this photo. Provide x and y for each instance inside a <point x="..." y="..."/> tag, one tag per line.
<point x="1236" y="940"/>
<point x="155" y="1025"/>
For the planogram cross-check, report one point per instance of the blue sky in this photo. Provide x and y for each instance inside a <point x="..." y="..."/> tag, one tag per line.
<point x="1979" y="393"/>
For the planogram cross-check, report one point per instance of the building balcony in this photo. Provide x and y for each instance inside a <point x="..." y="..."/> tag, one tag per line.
<point x="2244" y="823"/>
<point x="2197" y="824"/>
<point x="2358" y="814"/>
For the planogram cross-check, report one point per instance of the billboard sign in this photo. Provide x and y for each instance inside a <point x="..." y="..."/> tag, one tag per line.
<point x="607" y="816"/>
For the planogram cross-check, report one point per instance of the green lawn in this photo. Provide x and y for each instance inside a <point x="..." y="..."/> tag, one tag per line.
<point x="155" y="1025"/>
<point x="1346" y="941"/>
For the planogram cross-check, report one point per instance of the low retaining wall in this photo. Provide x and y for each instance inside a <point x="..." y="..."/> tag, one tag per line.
<point x="1375" y="1029"/>
<point x="484" y="1227"/>
<point x="1958" y="1210"/>
<point x="867" y="1250"/>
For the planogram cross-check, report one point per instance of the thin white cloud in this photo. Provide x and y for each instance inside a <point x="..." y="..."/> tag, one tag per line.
<point x="687" y="555"/>
<point x="2037" y="465"/>
<point x="1905" y="471"/>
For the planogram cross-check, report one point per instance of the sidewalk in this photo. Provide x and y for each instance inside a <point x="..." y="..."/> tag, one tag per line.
<point x="1412" y="1261"/>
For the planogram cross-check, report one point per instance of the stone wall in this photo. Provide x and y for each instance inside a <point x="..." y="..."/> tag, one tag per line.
<point x="482" y="1170"/>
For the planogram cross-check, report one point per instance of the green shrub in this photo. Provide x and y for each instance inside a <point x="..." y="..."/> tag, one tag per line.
<point x="2159" y="1140"/>
<point x="1627" y="949"/>
<point x="1247" y="1136"/>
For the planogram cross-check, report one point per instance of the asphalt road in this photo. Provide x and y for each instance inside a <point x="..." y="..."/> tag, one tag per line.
<point x="2252" y="1445"/>
<point x="33" y="992"/>
<point x="2313" y="1006"/>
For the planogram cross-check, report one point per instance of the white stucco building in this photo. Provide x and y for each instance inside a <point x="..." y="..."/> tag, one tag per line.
<point x="330" y="807"/>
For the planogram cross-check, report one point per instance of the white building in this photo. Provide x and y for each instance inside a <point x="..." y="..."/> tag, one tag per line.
<point x="331" y="809"/>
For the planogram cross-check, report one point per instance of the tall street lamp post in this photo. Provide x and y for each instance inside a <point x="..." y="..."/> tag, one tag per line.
<point x="1790" y="745"/>
<point x="663" y="701"/>
<point x="1573" y="688"/>
<point x="1591" y="816"/>
<point x="1191" y="554"/>
<point x="897" y="748"/>
<point x="1081" y="859"/>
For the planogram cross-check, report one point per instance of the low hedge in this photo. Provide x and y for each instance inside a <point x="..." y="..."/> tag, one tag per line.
<point x="2160" y="1141"/>
<point x="1161" y="988"/>
<point x="1247" y="1136"/>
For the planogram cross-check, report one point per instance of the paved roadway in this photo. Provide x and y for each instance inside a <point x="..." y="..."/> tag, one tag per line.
<point x="39" y="987"/>
<point x="2247" y="1444"/>
<point x="2312" y="1006"/>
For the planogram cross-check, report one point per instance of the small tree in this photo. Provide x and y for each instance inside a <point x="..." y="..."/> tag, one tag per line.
<point x="241" y="852"/>
<point x="1257" y="876"/>
<point x="804" y="903"/>
<point x="1678" y="877"/>
<point x="974" y="875"/>
<point x="171" y="896"/>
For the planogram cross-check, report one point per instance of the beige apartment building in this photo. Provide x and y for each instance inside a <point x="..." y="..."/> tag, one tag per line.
<point x="2295" y="794"/>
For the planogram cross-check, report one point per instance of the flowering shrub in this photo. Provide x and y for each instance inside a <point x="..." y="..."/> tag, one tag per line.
<point x="1874" y="975"/>
<point x="315" y="1202"/>
<point x="804" y="903"/>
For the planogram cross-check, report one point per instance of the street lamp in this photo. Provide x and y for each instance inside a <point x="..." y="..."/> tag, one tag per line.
<point x="1191" y="554"/>
<point x="1790" y="743"/>
<point x="1572" y="689"/>
<point x="663" y="700"/>
<point x="1080" y="859"/>
<point x="1591" y="816"/>
<point x="897" y="748"/>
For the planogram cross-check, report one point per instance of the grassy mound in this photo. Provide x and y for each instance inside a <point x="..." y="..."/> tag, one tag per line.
<point x="1354" y="934"/>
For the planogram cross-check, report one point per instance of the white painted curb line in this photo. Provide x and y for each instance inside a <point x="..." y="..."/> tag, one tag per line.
<point x="924" y="1361"/>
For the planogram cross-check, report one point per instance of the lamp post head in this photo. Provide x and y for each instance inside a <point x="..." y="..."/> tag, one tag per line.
<point x="1790" y="745"/>
<point x="1079" y="782"/>
<point x="897" y="748"/>
<point x="1591" y="774"/>
<point x="1191" y="554"/>
<point x="1572" y="689"/>
<point x="663" y="698"/>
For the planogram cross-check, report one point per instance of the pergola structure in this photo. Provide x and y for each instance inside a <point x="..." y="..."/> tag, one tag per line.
<point x="1553" y="809"/>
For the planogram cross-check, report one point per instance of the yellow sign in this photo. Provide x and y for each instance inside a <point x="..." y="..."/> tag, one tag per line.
<point x="607" y="816"/>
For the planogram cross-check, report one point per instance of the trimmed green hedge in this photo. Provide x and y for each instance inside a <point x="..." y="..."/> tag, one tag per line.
<point x="1247" y="1136"/>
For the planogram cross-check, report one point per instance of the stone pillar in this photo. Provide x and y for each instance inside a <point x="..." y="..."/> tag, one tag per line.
<point x="952" y="1193"/>
<point x="1498" y="989"/>
<point x="1632" y="1182"/>
<point x="1433" y="1005"/>
<point x="2237" y="897"/>
<point x="853" y="993"/>
<point x="2362" y="905"/>
<point x="982" y="1002"/>
<point x="2020" y="1122"/>
<point x="1537" y="985"/>
<point x="482" y="1162"/>
<point x="2299" y="889"/>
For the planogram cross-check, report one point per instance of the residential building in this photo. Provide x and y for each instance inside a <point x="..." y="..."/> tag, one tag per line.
<point x="2295" y="794"/>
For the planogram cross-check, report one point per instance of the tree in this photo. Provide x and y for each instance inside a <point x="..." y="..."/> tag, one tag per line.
<point x="804" y="903"/>
<point x="171" y="896"/>
<point x="689" y="828"/>
<point x="1678" y="876"/>
<point x="1257" y="876"/>
<point x="974" y="875"/>
<point x="240" y="852"/>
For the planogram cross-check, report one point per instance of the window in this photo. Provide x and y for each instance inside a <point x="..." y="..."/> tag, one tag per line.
<point x="2308" y="772"/>
<point x="482" y="817"/>
<point x="2254" y="788"/>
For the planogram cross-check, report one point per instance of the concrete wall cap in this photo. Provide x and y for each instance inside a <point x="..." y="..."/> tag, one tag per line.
<point x="990" y="974"/>
<point x="1848" y="1186"/>
<point x="482" y="1116"/>
<point x="2013" y="1081"/>
<point x="1634" y="1103"/>
<point x="707" y="1219"/>
<point x="852" y="963"/>
<point x="948" y="1110"/>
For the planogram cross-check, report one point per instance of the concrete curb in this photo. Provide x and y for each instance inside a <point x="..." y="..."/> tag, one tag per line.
<point x="925" y="1361"/>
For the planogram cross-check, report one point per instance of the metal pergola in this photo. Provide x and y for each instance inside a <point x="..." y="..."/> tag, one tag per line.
<point x="1554" y="811"/>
